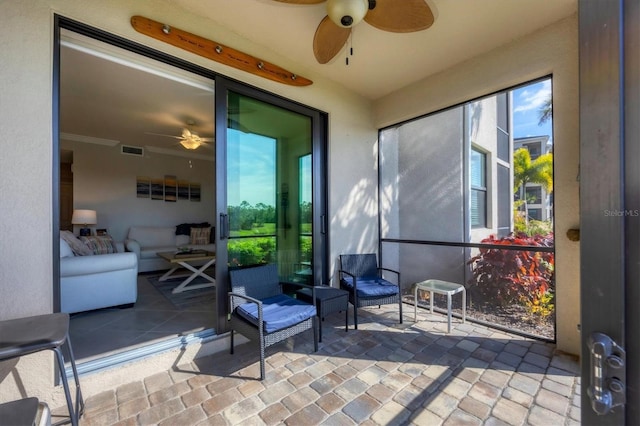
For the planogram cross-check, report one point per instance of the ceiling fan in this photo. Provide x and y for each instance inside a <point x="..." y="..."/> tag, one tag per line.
<point x="398" y="16"/>
<point x="188" y="139"/>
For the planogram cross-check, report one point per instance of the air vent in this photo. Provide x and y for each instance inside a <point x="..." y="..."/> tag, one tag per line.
<point x="138" y="151"/>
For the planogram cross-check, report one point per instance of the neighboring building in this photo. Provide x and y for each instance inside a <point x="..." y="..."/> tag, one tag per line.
<point x="539" y="202"/>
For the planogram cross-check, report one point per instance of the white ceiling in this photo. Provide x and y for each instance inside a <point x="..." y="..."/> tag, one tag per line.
<point x="384" y="62"/>
<point x="113" y="100"/>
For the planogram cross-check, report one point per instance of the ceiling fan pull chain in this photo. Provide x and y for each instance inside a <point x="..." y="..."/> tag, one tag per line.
<point x="350" y="52"/>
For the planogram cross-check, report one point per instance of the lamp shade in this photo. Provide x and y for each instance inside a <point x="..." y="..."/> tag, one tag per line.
<point x="347" y="13"/>
<point x="84" y="217"/>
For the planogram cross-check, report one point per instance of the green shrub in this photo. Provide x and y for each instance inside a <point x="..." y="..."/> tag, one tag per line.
<point x="251" y="251"/>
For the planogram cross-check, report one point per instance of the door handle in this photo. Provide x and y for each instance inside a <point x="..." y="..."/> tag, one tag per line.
<point x="608" y="373"/>
<point x="224" y="226"/>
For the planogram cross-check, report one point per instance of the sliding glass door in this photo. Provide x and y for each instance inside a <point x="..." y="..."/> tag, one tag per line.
<point x="270" y="160"/>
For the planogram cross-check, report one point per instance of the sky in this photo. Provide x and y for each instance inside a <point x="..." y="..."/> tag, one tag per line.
<point x="251" y="180"/>
<point x="527" y="101"/>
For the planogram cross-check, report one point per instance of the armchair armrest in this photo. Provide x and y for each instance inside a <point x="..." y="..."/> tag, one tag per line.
<point x="233" y="305"/>
<point x="133" y="246"/>
<point x="390" y="270"/>
<point x="340" y="272"/>
<point x="232" y="295"/>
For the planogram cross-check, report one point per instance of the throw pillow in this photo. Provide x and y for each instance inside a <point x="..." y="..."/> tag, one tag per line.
<point x="100" y="244"/>
<point x="77" y="246"/>
<point x="65" y="250"/>
<point x="200" y="235"/>
<point x="185" y="228"/>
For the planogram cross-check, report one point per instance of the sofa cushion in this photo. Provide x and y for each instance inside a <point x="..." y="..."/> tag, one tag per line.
<point x="185" y="228"/>
<point x="77" y="246"/>
<point x="278" y="312"/>
<point x="65" y="250"/>
<point x="152" y="236"/>
<point x="182" y="240"/>
<point x="100" y="244"/>
<point x="200" y="235"/>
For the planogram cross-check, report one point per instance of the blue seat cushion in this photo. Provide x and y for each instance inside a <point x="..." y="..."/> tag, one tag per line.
<point x="279" y="312"/>
<point x="371" y="287"/>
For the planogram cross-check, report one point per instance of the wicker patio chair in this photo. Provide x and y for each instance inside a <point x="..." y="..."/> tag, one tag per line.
<point x="363" y="279"/>
<point x="259" y="310"/>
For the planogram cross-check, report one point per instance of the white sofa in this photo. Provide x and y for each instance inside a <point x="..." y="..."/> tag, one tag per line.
<point x="147" y="241"/>
<point x="97" y="281"/>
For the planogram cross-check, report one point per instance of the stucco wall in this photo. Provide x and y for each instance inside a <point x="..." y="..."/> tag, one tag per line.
<point x="550" y="51"/>
<point x="26" y="163"/>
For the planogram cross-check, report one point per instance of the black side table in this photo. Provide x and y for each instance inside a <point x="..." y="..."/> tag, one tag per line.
<point x="328" y="300"/>
<point x="24" y="336"/>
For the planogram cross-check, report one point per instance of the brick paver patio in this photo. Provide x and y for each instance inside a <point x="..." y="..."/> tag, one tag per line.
<point x="383" y="373"/>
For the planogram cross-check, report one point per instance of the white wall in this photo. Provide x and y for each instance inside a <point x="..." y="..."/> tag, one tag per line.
<point x="552" y="50"/>
<point x="26" y="162"/>
<point x="105" y="181"/>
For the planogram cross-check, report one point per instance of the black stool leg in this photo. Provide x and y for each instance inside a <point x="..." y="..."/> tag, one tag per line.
<point x="72" y="413"/>
<point x="79" y="399"/>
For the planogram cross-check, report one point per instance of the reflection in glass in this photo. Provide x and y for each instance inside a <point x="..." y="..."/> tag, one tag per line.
<point x="268" y="186"/>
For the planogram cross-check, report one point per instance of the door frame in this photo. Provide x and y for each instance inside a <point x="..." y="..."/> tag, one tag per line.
<point x="222" y="84"/>
<point x="610" y="191"/>
<point x="319" y="185"/>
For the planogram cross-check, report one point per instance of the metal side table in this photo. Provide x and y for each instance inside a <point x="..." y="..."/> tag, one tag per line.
<point x="328" y="300"/>
<point x="24" y="336"/>
<point x="441" y="287"/>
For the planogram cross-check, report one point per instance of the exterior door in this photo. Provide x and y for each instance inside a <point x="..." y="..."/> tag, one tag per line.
<point x="610" y="210"/>
<point x="269" y="173"/>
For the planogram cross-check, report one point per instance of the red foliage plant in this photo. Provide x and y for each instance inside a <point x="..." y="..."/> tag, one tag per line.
<point x="508" y="276"/>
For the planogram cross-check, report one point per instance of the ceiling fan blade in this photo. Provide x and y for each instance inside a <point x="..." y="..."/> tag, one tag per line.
<point x="328" y="40"/>
<point x="160" y="134"/>
<point x="404" y="16"/>
<point x="301" y="1"/>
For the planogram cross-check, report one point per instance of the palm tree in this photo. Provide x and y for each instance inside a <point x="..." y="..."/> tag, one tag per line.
<point x="525" y="171"/>
<point x="545" y="113"/>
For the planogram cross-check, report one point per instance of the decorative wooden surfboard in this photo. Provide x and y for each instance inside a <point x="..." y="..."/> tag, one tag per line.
<point x="216" y="51"/>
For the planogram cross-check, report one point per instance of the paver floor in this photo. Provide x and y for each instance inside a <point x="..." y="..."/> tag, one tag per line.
<point x="384" y="373"/>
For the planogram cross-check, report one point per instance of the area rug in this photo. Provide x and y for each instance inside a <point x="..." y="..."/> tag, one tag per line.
<point x="188" y="298"/>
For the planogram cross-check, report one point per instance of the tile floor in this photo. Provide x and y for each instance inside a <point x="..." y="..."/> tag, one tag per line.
<point x="383" y="373"/>
<point x="153" y="318"/>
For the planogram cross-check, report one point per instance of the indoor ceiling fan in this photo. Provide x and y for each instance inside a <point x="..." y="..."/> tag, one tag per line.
<point x="188" y="139"/>
<point x="398" y="16"/>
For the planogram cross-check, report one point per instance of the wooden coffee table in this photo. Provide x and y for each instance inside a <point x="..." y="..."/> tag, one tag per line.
<point x="185" y="261"/>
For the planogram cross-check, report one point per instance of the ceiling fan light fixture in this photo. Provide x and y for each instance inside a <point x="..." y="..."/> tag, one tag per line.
<point x="347" y="13"/>
<point x="191" y="143"/>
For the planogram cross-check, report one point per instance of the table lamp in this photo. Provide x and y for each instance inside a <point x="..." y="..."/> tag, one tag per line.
<point x="84" y="217"/>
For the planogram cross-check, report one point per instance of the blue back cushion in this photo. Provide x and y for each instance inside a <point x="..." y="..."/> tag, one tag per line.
<point x="278" y="312"/>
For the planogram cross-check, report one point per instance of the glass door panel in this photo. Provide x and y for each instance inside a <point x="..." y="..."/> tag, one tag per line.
<point x="269" y="175"/>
